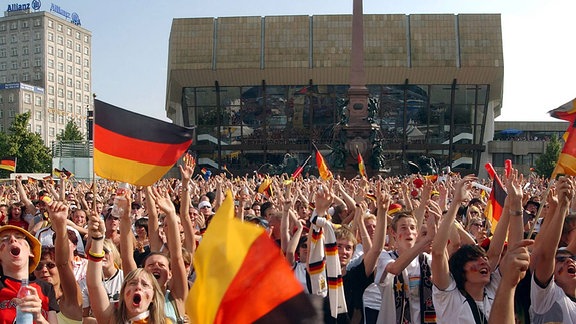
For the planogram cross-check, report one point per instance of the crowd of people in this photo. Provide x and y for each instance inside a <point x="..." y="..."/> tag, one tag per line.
<point x="409" y="249"/>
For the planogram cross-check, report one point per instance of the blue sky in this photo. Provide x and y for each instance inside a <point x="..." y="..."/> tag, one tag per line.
<point x="130" y="44"/>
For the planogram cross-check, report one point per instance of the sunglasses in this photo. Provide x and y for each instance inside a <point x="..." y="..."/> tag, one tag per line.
<point x="562" y="258"/>
<point x="48" y="264"/>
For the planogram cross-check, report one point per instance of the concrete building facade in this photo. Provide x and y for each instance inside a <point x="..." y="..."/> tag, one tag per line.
<point x="258" y="88"/>
<point x="48" y="50"/>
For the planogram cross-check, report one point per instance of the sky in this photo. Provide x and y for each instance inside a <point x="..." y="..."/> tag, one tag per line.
<point x="130" y="44"/>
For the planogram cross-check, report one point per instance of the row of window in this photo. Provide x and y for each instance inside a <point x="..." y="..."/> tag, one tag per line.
<point x="25" y="50"/>
<point x="24" y="37"/>
<point x="25" y="24"/>
<point x="79" y="99"/>
<point x="25" y="77"/>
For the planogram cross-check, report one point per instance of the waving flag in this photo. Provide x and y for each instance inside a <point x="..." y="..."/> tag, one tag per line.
<point x="246" y="288"/>
<point x="133" y="148"/>
<point x="567" y="159"/>
<point x="58" y="172"/>
<point x="325" y="173"/>
<point x="361" y="166"/>
<point x="8" y="163"/>
<point x="496" y="199"/>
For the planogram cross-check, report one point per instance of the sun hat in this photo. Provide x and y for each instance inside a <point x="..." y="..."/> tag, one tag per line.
<point x="35" y="247"/>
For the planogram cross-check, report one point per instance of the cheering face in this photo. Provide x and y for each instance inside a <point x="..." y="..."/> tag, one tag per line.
<point x="406" y="233"/>
<point x="158" y="266"/>
<point x="138" y="295"/>
<point x="565" y="270"/>
<point x="477" y="271"/>
<point x="14" y="249"/>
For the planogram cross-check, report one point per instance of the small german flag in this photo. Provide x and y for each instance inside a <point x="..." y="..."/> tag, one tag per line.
<point x="57" y="173"/>
<point x="8" y="163"/>
<point x="48" y="179"/>
<point x="133" y="148"/>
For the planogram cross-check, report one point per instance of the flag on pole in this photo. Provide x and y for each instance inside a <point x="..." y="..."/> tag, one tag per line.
<point x="58" y="172"/>
<point x="241" y="276"/>
<point x="325" y="173"/>
<point x="496" y="199"/>
<point x="133" y="148"/>
<point x="565" y="112"/>
<point x="361" y="166"/>
<point x="298" y="171"/>
<point x="8" y="163"/>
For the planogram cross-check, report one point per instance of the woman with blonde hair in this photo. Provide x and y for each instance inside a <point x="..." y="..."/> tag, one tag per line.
<point x="141" y="299"/>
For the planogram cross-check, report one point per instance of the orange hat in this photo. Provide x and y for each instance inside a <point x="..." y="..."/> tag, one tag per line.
<point x="35" y="247"/>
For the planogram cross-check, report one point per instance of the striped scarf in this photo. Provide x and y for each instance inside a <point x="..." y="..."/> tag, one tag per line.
<point x="324" y="261"/>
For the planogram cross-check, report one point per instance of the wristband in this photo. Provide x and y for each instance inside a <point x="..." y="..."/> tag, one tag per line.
<point x="97" y="238"/>
<point x="517" y="212"/>
<point x="91" y="258"/>
<point x="97" y="255"/>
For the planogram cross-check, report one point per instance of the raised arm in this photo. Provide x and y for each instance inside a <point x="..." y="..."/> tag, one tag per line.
<point x="186" y="172"/>
<point x="179" y="281"/>
<point x="371" y="255"/>
<point x="153" y="227"/>
<point x="30" y="208"/>
<point x="545" y="250"/>
<point x="101" y="308"/>
<point x="440" y="268"/>
<point x="126" y="235"/>
<point x="71" y="296"/>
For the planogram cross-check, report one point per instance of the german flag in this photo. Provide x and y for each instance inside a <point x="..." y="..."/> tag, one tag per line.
<point x="8" y="163"/>
<point x="57" y="173"/>
<point x="496" y="199"/>
<point x="361" y="166"/>
<point x="133" y="148"/>
<point x="567" y="159"/>
<point x="246" y="286"/>
<point x="323" y="170"/>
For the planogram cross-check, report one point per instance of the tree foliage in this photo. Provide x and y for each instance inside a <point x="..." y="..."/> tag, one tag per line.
<point x="71" y="133"/>
<point x="546" y="163"/>
<point x="31" y="154"/>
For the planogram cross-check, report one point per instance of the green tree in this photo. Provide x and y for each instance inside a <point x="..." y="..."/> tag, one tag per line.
<point x="28" y="148"/>
<point x="546" y="163"/>
<point x="71" y="133"/>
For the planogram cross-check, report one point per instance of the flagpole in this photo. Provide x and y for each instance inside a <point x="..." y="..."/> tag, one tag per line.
<point x="15" y="163"/>
<point x="94" y="184"/>
<point x="538" y="214"/>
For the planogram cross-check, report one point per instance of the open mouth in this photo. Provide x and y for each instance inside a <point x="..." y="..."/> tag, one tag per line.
<point x="156" y="275"/>
<point x="483" y="271"/>
<point x="15" y="251"/>
<point x="571" y="270"/>
<point x="136" y="300"/>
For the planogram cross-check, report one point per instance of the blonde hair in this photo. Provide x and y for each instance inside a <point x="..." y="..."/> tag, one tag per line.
<point x="113" y="252"/>
<point x="156" y="308"/>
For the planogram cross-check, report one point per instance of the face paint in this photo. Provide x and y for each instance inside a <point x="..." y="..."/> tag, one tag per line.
<point x="474" y="268"/>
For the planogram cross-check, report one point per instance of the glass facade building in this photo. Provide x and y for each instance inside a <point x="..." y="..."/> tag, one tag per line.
<point x="260" y="87"/>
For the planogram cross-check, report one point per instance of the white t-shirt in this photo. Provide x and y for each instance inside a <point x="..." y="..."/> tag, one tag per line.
<point x="451" y="306"/>
<point x="385" y="281"/>
<point x="112" y="286"/>
<point x="550" y="304"/>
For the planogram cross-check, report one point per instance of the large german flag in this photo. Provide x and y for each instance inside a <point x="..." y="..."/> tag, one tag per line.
<point x="241" y="276"/>
<point x="134" y="148"/>
<point x="567" y="159"/>
<point x="8" y="163"/>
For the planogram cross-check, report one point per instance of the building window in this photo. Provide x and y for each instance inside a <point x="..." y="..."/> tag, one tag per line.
<point x="78" y="72"/>
<point x="51" y="106"/>
<point x="87" y="99"/>
<point x="50" y="50"/>
<point x="25" y="63"/>
<point x="25" y="37"/>
<point x="86" y="86"/>
<point x="24" y="24"/>
<point x="60" y="40"/>
<point x="86" y="63"/>
<point x="26" y="76"/>
<point x="14" y="51"/>
<point x="60" y="119"/>
<point x="69" y="107"/>
<point x="51" y="90"/>
<point x="14" y="25"/>
<point x="51" y="37"/>
<point x="78" y="110"/>
<point x="86" y="75"/>
<point x="14" y="65"/>
<point x="37" y="36"/>
<point x="60" y="79"/>
<point x="69" y="43"/>
<point x="37" y="49"/>
<point x="78" y="47"/>
<point x="69" y="82"/>
<point x="39" y="129"/>
<point x="60" y="53"/>
<point x="86" y="51"/>
<point x="86" y="39"/>
<point x="2" y="40"/>
<point x="50" y="23"/>
<point x="11" y="113"/>
<point x="27" y="98"/>
<point x="78" y="85"/>
<point x="14" y="39"/>
<point x="11" y="98"/>
<point x="68" y="31"/>
<point x="51" y="76"/>
<point x="69" y="69"/>
<point x="38" y="62"/>
<point x="51" y="117"/>
<point x="69" y="95"/>
<point x="38" y="76"/>
<point x="25" y="50"/>
<point x="59" y="27"/>
<point x="77" y="35"/>
<point x="51" y="132"/>
<point x="78" y="60"/>
<point x="2" y="52"/>
<point x="60" y="66"/>
<point x="2" y="27"/>
<point x="38" y="115"/>
<point x="3" y="66"/>
<point x="38" y="100"/>
<point x="69" y="57"/>
<point x="60" y="95"/>
<point x="60" y="105"/>
<point x="51" y="63"/>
